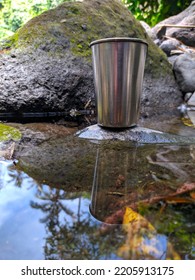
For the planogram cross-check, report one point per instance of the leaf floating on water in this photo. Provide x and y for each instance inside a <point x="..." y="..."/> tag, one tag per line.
<point x="142" y="240"/>
<point x="134" y="219"/>
<point x="187" y="122"/>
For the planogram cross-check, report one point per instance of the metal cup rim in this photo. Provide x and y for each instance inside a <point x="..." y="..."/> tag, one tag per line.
<point x="118" y="39"/>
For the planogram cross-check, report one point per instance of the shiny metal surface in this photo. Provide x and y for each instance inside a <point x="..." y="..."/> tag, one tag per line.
<point x="118" y="65"/>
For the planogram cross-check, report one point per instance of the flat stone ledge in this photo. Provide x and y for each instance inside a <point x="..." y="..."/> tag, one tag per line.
<point x="135" y="134"/>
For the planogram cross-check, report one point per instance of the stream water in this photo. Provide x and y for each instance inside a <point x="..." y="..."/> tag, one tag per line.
<point x="70" y="199"/>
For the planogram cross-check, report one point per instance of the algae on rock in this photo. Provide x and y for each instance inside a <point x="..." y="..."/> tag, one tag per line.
<point x="9" y="133"/>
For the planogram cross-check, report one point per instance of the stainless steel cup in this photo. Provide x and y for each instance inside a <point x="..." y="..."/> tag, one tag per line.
<point x="118" y="65"/>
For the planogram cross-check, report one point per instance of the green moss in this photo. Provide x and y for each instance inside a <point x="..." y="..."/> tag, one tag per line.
<point x="10" y="42"/>
<point x="74" y="10"/>
<point x="9" y="133"/>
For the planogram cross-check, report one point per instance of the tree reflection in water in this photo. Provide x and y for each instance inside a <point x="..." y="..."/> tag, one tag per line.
<point x="71" y="232"/>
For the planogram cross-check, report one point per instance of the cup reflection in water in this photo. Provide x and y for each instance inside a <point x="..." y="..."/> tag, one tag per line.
<point x="118" y="65"/>
<point x="115" y="176"/>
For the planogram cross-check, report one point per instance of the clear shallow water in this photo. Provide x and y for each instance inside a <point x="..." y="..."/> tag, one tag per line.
<point x="45" y="221"/>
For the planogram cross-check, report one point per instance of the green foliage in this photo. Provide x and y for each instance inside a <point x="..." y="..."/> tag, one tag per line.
<point x="13" y="14"/>
<point x="154" y="11"/>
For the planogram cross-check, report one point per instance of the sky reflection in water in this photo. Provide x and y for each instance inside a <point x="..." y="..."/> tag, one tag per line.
<point x="22" y="234"/>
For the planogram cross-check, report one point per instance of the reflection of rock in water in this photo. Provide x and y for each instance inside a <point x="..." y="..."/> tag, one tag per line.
<point x="125" y="176"/>
<point x="63" y="163"/>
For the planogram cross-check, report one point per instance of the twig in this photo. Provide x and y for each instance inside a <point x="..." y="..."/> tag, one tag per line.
<point x="117" y="217"/>
<point x="177" y="26"/>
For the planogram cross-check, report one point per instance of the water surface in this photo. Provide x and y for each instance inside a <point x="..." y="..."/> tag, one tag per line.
<point x="49" y="212"/>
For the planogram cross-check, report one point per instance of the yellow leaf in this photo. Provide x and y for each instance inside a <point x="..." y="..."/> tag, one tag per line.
<point x="142" y="240"/>
<point x="135" y="220"/>
<point x="187" y="122"/>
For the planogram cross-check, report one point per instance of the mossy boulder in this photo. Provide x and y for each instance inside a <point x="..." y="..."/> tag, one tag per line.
<point x="46" y="65"/>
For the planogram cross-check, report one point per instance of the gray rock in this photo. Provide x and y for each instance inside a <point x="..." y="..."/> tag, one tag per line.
<point x="40" y="82"/>
<point x="158" y="98"/>
<point x="191" y="115"/>
<point x="187" y="96"/>
<point x="148" y="29"/>
<point x="157" y="42"/>
<point x="186" y="17"/>
<point x="184" y="69"/>
<point x="172" y="58"/>
<point x="191" y="100"/>
<point x="187" y="36"/>
<point x="46" y="66"/>
<point x="136" y="134"/>
<point x="168" y="45"/>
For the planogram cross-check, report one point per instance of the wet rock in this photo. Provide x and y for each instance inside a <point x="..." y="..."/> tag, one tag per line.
<point x="46" y="65"/>
<point x="37" y="133"/>
<point x="136" y="134"/>
<point x="184" y="69"/>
